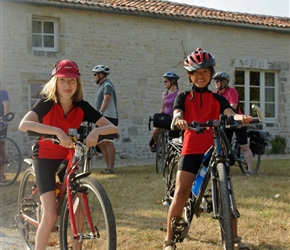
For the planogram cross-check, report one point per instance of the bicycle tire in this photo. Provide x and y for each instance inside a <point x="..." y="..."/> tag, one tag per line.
<point x="224" y="208"/>
<point x="243" y="165"/>
<point x="11" y="155"/>
<point x="28" y="202"/>
<point x="101" y="213"/>
<point x="161" y="152"/>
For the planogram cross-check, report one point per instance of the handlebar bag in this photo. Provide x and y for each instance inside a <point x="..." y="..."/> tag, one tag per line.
<point x="162" y="120"/>
<point x="258" y="142"/>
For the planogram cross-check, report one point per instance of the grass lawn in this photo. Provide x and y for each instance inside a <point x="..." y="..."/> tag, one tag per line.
<point x="136" y="193"/>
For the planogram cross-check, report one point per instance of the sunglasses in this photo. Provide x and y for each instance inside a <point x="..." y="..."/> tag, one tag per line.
<point x="95" y="74"/>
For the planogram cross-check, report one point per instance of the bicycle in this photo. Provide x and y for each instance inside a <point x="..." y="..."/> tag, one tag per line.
<point x="219" y="197"/>
<point x="162" y="147"/>
<point x="234" y="151"/>
<point x="85" y="215"/>
<point x="10" y="155"/>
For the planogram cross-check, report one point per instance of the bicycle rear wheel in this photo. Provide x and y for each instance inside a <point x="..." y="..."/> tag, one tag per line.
<point x="28" y="206"/>
<point x="102" y="218"/>
<point x="169" y="176"/>
<point x="10" y="157"/>
<point x="161" y="152"/>
<point x="242" y="163"/>
<point x="224" y="208"/>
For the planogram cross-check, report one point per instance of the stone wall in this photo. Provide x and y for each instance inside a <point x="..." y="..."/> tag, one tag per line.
<point x="139" y="51"/>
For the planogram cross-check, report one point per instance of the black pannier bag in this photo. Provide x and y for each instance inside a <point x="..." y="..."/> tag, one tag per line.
<point x="162" y="120"/>
<point x="258" y="141"/>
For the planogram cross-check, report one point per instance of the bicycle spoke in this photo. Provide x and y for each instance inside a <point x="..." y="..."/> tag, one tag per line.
<point x="102" y="219"/>
<point x="10" y="158"/>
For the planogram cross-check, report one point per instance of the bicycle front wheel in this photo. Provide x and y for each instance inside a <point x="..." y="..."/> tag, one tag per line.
<point x="224" y="208"/>
<point x="95" y="221"/>
<point x="10" y="159"/>
<point x="242" y="163"/>
<point x="28" y="209"/>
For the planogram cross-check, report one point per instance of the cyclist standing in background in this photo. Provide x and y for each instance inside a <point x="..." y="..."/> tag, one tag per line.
<point x="221" y="80"/>
<point x="106" y="104"/>
<point x="61" y="108"/>
<point x="4" y="109"/>
<point x="200" y="105"/>
<point x="168" y="97"/>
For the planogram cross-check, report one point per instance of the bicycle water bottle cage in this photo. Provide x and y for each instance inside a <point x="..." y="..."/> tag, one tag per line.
<point x="180" y="229"/>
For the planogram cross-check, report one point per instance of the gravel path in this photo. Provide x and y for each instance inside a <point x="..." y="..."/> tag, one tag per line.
<point x="9" y="234"/>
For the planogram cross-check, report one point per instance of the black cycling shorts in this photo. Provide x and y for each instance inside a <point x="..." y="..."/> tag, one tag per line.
<point x="241" y="135"/>
<point x="190" y="163"/>
<point x="112" y="120"/>
<point x="45" y="170"/>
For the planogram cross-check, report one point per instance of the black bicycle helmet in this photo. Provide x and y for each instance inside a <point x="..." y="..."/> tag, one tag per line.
<point x="171" y="75"/>
<point x="198" y="59"/>
<point x="101" y="68"/>
<point x="221" y="76"/>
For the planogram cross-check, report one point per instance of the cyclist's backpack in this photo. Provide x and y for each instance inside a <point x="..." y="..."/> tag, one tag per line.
<point x="258" y="142"/>
<point x="162" y="120"/>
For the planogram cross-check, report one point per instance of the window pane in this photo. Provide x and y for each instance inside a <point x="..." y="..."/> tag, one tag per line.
<point x="48" y="28"/>
<point x="242" y="107"/>
<point x="241" y="92"/>
<point x="35" y="90"/>
<point x="48" y="41"/>
<point x="254" y="94"/>
<point x="269" y="79"/>
<point x="36" y="27"/>
<point x="269" y="110"/>
<point x="254" y="78"/>
<point x="239" y="77"/>
<point x="269" y="95"/>
<point x="36" y="40"/>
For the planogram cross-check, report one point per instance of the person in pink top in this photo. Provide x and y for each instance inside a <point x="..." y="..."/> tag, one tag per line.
<point x="221" y="80"/>
<point x="168" y="97"/>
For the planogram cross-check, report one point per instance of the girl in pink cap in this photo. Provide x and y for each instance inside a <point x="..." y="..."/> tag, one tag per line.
<point x="61" y="107"/>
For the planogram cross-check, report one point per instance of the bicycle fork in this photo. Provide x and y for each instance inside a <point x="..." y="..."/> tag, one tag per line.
<point x="74" y="208"/>
<point x="215" y="204"/>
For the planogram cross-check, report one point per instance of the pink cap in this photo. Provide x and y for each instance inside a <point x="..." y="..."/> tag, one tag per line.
<point x="66" y="69"/>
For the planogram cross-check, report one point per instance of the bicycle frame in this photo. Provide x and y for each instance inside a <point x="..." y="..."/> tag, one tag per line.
<point x="222" y="202"/>
<point x="66" y="191"/>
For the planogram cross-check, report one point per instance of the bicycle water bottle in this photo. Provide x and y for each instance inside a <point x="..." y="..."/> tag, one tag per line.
<point x="198" y="181"/>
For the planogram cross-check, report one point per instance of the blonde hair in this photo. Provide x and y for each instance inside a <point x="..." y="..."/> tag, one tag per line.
<point x="50" y="93"/>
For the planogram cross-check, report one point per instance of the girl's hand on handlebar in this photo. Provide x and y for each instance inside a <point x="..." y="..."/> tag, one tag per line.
<point x="246" y="119"/>
<point x="64" y="139"/>
<point x="181" y="124"/>
<point x="92" y="138"/>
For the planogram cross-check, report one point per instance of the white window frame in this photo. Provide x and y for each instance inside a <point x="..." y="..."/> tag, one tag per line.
<point x="247" y="102"/>
<point x="55" y="34"/>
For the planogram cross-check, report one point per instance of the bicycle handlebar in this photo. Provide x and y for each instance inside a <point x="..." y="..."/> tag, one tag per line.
<point x="224" y="120"/>
<point x="74" y="136"/>
<point x="7" y="118"/>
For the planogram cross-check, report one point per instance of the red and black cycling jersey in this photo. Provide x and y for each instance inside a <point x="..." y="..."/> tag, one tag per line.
<point x="203" y="106"/>
<point x="51" y="113"/>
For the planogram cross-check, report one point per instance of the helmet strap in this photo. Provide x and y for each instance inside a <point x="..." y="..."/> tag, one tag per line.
<point x="100" y="78"/>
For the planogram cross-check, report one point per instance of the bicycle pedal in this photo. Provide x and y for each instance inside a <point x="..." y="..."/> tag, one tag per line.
<point x="180" y="229"/>
<point x="166" y="202"/>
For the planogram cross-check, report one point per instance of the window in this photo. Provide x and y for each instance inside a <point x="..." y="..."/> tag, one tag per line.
<point x="260" y="88"/>
<point x="44" y="34"/>
<point x="35" y="89"/>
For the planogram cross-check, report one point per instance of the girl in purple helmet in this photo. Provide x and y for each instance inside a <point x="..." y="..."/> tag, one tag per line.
<point x="168" y="97"/>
